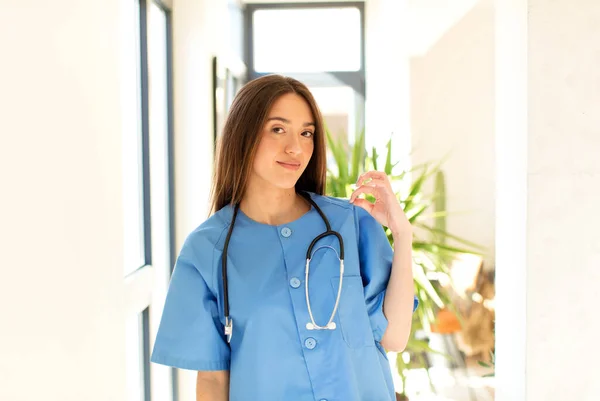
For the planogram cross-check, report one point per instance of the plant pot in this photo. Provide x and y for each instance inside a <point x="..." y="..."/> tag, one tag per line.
<point x="401" y="397"/>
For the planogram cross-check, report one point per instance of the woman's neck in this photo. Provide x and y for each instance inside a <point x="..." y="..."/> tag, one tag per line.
<point x="273" y="206"/>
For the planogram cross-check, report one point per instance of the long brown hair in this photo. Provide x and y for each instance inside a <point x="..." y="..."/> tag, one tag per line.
<point x="241" y="136"/>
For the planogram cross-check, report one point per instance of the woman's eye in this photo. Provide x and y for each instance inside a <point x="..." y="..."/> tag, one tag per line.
<point x="278" y="130"/>
<point x="307" y="134"/>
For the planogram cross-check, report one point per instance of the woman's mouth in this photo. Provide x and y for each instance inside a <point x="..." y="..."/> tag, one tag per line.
<point x="290" y="166"/>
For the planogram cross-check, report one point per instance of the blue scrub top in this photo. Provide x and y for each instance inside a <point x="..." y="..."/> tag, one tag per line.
<point x="272" y="356"/>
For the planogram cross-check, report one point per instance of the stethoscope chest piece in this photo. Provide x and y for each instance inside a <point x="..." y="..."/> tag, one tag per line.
<point x="312" y="326"/>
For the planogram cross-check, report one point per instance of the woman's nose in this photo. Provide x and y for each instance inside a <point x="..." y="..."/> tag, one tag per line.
<point x="293" y="145"/>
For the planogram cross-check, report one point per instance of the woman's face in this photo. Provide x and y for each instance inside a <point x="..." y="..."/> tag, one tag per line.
<point x="286" y="143"/>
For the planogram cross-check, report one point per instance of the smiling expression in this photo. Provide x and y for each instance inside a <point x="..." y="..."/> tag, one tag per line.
<point x="286" y="143"/>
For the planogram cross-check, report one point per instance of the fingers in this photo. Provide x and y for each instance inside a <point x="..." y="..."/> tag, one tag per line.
<point x="374" y="188"/>
<point x="377" y="182"/>
<point x="365" y="204"/>
<point x="373" y="176"/>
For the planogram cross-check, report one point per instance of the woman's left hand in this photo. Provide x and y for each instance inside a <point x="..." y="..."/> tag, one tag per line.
<point x="386" y="209"/>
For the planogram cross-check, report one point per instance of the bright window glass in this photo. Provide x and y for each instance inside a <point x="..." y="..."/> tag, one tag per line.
<point x="307" y="40"/>
<point x="159" y="134"/>
<point x="132" y="147"/>
<point x="161" y="385"/>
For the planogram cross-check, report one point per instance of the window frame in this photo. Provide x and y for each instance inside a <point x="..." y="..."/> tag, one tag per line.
<point x="354" y="79"/>
<point x="139" y="284"/>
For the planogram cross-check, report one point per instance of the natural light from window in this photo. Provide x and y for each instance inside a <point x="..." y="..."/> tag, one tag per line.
<point x="132" y="149"/>
<point x="307" y="40"/>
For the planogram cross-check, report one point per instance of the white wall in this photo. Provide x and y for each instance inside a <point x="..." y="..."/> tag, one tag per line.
<point x="200" y="31"/>
<point x="429" y="20"/>
<point x="511" y="200"/>
<point x="452" y="114"/>
<point x="549" y="173"/>
<point x="435" y="93"/>
<point x="564" y="194"/>
<point x="61" y="308"/>
<point x="387" y="104"/>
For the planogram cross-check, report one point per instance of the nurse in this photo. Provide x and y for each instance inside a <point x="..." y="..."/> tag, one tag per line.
<point x="272" y="338"/>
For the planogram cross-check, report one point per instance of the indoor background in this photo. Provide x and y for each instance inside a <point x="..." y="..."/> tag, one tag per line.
<point x="109" y="111"/>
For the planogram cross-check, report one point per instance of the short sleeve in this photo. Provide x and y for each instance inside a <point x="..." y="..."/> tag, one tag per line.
<point x="375" y="256"/>
<point x="190" y="334"/>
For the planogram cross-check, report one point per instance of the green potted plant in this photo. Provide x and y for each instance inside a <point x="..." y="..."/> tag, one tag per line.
<point x="431" y="252"/>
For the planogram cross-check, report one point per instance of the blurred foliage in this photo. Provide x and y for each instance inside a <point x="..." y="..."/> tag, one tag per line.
<point x="432" y="254"/>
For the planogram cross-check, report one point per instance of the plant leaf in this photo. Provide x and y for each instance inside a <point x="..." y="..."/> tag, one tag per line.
<point x="388" y="159"/>
<point x="374" y="158"/>
<point x="454" y="237"/>
<point x="434" y="247"/>
<point x="339" y="155"/>
<point x="421" y="279"/>
<point x="358" y="156"/>
<point x="414" y="213"/>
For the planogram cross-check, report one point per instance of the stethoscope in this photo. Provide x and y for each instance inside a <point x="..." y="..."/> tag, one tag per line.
<point x="312" y="325"/>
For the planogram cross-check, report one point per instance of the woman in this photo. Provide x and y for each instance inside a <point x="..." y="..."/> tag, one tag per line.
<point x="287" y="329"/>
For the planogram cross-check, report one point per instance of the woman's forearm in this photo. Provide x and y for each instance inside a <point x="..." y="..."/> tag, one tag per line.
<point x="399" y="298"/>
<point x="212" y="386"/>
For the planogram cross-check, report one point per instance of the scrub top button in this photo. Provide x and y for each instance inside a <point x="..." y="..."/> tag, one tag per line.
<point x="286" y="232"/>
<point x="295" y="282"/>
<point x="322" y="399"/>
<point x="310" y="343"/>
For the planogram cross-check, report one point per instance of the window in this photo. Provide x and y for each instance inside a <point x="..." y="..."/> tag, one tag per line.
<point x="161" y="178"/>
<point x="313" y="39"/>
<point x="133" y="186"/>
<point x="321" y="45"/>
<point x="148" y="192"/>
